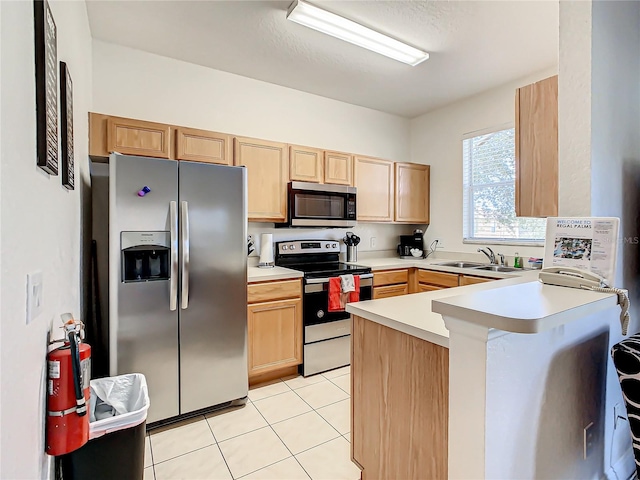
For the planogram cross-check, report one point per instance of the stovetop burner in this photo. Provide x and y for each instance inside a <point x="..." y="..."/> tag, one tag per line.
<point x="321" y="269"/>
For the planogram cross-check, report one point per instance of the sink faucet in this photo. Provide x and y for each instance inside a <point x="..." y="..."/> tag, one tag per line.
<point x="490" y="255"/>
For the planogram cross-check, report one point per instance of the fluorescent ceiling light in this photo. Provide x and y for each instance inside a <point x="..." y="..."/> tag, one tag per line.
<point x="352" y="32"/>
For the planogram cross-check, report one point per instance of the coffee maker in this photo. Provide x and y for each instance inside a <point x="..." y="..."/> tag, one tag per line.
<point x="411" y="246"/>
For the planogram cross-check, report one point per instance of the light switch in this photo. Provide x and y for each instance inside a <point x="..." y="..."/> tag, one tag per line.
<point x="34" y="295"/>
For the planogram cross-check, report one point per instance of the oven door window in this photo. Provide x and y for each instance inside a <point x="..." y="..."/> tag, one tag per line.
<point x="321" y="205"/>
<point x="315" y="306"/>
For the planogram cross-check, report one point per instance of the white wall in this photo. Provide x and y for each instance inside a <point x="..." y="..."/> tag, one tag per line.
<point x="136" y="84"/>
<point x="436" y="139"/>
<point x="40" y="227"/>
<point x="615" y="163"/>
<point x="574" y="109"/>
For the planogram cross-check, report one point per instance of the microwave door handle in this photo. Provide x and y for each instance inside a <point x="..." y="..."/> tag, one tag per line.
<point x="185" y="255"/>
<point x="173" y="281"/>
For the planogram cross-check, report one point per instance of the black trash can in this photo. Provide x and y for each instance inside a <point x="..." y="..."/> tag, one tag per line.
<point x="116" y="443"/>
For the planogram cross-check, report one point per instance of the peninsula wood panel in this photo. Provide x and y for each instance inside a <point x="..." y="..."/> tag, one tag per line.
<point x="440" y="279"/>
<point x="412" y="193"/>
<point x="399" y="404"/>
<point x="537" y="149"/>
<point x="267" y="291"/>
<point x="338" y="168"/>
<point x="305" y="164"/>
<point x="203" y="146"/>
<point x="390" y="291"/>
<point x="374" y="181"/>
<point x="136" y="137"/>
<point x="471" y="280"/>
<point x="274" y="331"/>
<point x="267" y="177"/>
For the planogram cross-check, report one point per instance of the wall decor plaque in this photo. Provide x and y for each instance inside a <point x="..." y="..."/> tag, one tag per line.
<point x="46" y="87"/>
<point x="66" y="126"/>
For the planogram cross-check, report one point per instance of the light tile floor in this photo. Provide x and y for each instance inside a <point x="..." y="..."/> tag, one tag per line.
<point x="290" y="429"/>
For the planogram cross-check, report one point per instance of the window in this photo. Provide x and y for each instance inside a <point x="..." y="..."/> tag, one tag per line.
<point x="489" y="192"/>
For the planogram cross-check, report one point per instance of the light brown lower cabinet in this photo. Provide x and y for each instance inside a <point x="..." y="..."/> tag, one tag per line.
<point x="274" y="327"/>
<point x="425" y="287"/>
<point x="390" y="291"/>
<point x="399" y="404"/>
<point x="471" y="280"/>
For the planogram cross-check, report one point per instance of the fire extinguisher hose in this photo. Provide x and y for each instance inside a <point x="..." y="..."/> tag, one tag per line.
<point x="77" y="379"/>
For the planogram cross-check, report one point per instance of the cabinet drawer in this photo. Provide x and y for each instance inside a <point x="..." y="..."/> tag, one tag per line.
<point x="467" y="280"/>
<point x="390" y="277"/>
<point x="390" y="291"/>
<point x="425" y="287"/>
<point x="268" y="291"/>
<point x="438" y="278"/>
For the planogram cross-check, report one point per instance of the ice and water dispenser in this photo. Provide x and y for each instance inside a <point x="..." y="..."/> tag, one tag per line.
<point x="145" y="256"/>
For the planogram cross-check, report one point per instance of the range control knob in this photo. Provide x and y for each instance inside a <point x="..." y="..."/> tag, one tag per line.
<point x="334" y="245"/>
<point x="284" y="247"/>
<point x="320" y="313"/>
<point x="293" y="247"/>
<point x="326" y="246"/>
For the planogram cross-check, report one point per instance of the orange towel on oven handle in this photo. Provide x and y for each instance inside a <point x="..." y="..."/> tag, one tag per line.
<point x="336" y="297"/>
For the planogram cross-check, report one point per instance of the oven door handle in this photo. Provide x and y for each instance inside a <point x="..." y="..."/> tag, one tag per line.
<point x="364" y="276"/>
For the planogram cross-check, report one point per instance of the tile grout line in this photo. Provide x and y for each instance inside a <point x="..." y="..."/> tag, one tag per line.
<point x="319" y="414"/>
<point x="285" y="445"/>
<point x="218" y="445"/>
<point x="348" y="393"/>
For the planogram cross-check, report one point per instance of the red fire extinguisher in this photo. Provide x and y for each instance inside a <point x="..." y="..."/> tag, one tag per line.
<point x="68" y="391"/>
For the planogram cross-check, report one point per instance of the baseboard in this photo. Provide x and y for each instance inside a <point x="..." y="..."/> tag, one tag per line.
<point x="624" y="468"/>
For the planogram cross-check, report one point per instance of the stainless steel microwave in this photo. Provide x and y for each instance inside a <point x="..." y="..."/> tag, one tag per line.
<point x="317" y="205"/>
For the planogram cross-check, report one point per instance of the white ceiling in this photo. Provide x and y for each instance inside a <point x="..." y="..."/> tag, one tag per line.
<point x="474" y="45"/>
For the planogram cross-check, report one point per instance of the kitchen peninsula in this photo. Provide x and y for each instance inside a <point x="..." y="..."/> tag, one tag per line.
<point x="492" y="380"/>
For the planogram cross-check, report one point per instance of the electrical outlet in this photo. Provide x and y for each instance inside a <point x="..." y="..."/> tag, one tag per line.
<point x="589" y="440"/>
<point x="439" y="243"/>
<point x="34" y="296"/>
<point x="373" y="242"/>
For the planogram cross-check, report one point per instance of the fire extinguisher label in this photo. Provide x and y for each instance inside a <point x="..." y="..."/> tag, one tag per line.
<point x="54" y="369"/>
<point x="85" y="369"/>
<point x="50" y="387"/>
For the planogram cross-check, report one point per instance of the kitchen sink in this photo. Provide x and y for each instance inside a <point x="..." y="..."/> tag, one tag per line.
<point x="497" y="268"/>
<point x="460" y="264"/>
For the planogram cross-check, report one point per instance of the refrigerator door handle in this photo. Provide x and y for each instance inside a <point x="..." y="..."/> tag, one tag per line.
<point x="173" y="282"/>
<point x="185" y="254"/>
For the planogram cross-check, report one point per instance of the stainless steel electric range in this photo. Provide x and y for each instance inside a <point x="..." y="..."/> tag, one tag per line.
<point x="327" y="335"/>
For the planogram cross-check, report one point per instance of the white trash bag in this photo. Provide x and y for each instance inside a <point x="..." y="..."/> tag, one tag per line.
<point x="117" y="403"/>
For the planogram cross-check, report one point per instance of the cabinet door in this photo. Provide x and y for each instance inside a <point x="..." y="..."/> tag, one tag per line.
<point x="267" y="175"/>
<point x="305" y="164"/>
<point x="374" y="181"/>
<point x="338" y="168"/>
<point x="412" y="193"/>
<point x="390" y="291"/>
<point x="135" y="137"/>
<point x="274" y="335"/>
<point x="203" y="146"/>
<point x="467" y="280"/>
<point x="537" y="149"/>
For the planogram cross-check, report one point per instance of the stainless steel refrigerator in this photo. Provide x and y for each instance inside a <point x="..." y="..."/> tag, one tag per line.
<point x="177" y="279"/>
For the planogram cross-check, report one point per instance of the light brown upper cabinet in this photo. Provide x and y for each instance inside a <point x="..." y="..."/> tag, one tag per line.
<point x="412" y="193"/>
<point x="203" y="146"/>
<point x="374" y="181"/>
<point x="537" y="149"/>
<point x="338" y="168"/>
<point x="305" y="164"/>
<point x="136" y="137"/>
<point x="267" y="177"/>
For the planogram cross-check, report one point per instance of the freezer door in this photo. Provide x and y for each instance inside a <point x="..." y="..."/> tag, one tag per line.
<point x="143" y="329"/>
<point x="213" y="302"/>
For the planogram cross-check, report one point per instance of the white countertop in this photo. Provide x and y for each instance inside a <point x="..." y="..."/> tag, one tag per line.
<point x="526" y="307"/>
<point x="256" y="274"/>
